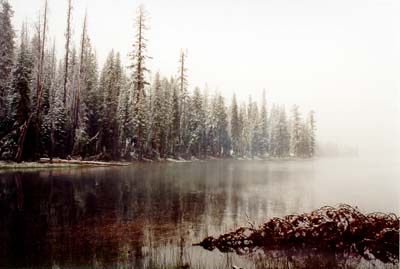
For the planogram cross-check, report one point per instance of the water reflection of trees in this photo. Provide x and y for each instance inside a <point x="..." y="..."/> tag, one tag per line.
<point x="146" y="216"/>
<point x="75" y="216"/>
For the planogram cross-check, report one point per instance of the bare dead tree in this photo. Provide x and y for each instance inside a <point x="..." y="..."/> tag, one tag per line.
<point x="52" y="100"/>
<point x="183" y="96"/>
<point x="67" y="45"/>
<point x="78" y="93"/>
<point x="182" y="71"/>
<point x="40" y="73"/>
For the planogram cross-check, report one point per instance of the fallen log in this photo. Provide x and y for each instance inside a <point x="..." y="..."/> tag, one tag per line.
<point x="343" y="228"/>
<point x="79" y="162"/>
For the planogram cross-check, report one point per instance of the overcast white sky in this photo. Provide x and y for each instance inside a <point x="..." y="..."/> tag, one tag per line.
<point x="340" y="58"/>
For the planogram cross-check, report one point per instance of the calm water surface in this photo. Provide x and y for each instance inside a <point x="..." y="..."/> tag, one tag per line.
<point x="149" y="215"/>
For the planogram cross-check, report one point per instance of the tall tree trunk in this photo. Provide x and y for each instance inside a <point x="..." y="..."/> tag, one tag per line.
<point x="67" y="45"/>
<point x="75" y="124"/>
<point x="182" y="92"/>
<point x="51" y="109"/>
<point x="139" y="72"/>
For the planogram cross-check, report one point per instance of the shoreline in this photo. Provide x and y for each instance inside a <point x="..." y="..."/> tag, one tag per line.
<point x="57" y="163"/>
<point x="64" y="163"/>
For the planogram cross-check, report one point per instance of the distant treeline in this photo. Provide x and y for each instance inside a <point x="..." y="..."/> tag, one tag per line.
<point x="66" y="107"/>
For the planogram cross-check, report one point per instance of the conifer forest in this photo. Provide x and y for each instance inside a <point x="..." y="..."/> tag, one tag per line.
<point x="71" y="107"/>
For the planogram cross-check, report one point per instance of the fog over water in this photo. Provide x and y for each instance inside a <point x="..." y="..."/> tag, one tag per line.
<point x="339" y="58"/>
<point x="149" y="215"/>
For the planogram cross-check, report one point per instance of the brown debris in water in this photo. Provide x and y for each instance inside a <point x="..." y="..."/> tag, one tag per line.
<point x="341" y="229"/>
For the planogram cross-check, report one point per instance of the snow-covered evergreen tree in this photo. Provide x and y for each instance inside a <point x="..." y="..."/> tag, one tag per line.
<point x="158" y="131"/>
<point x="6" y="62"/>
<point x="256" y="130"/>
<point x="279" y="145"/>
<point x="175" y="121"/>
<point x="304" y="144"/>
<point x="184" y="102"/>
<point x="197" y="122"/>
<point x="283" y="147"/>
<point x="273" y="131"/>
<point x="235" y="127"/>
<point x="61" y="127"/>
<point x="218" y="133"/>
<point x="166" y="108"/>
<point x="21" y="102"/>
<point x="78" y="120"/>
<point x="295" y="131"/>
<point x="91" y="100"/>
<point x="242" y="130"/>
<point x="68" y="37"/>
<point x="263" y="125"/>
<point x="110" y="86"/>
<point x="125" y="119"/>
<point x="49" y="76"/>
<point x="311" y="129"/>
<point x="138" y="58"/>
<point x="21" y="84"/>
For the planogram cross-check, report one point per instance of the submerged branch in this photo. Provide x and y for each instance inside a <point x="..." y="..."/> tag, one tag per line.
<point x="342" y="229"/>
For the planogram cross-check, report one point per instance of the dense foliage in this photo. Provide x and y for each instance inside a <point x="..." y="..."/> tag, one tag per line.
<point x="67" y="107"/>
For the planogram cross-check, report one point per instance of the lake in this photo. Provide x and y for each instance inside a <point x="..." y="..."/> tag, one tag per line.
<point x="149" y="215"/>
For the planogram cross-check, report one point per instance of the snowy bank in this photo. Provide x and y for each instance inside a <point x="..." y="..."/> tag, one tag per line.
<point x="57" y="163"/>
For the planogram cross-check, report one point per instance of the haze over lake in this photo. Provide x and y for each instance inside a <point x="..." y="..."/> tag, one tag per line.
<point x="149" y="215"/>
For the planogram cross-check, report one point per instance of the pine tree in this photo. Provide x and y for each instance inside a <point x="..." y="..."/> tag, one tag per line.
<point x="295" y="131"/>
<point x="235" y="127"/>
<point x="252" y="125"/>
<point x="312" y="128"/>
<point x="283" y="147"/>
<point x="139" y="82"/>
<point x="81" y="72"/>
<point x="256" y="139"/>
<point x="125" y="119"/>
<point x="158" y="131"/>
<point x="205" y="107"/>
<point x="68" y="36"/>
<point x="72" y="83"/>
<point x="52" y="97"/>
<point x="61" y="124"/>
<point x="197" y="122"/>
<point x="25" y="129"/>
<point x="110" y="86"/>
<point x="166" y="110"/>
<point x="49" y="75"/>
<point x="6" y="58"/>
<point x="221" y="144"/>
<point x="21" y="103"/>
<point x="184" y="102"/>
<point x="273" y="131"/>
<point x="42" y="31"/>
<point x="243" y="130"/>
<point x="176" y="121"/>
<point x="263" y="125"/>
<point x="304" y="145"/>
<point x="91" y="100"/>
<point x="250" y="122"/>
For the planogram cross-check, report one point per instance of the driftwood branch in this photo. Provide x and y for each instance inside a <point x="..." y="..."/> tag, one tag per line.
<point x="343" y="228"/>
